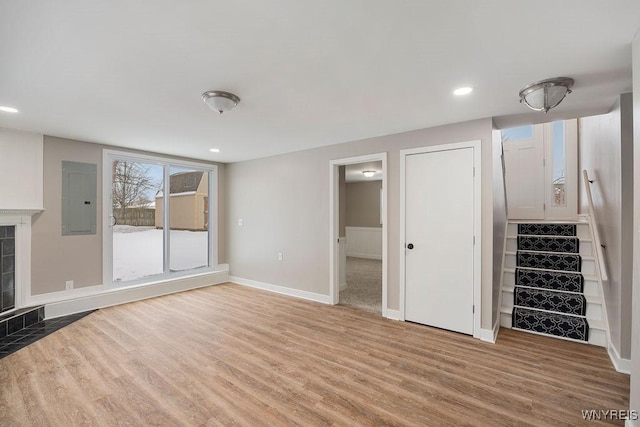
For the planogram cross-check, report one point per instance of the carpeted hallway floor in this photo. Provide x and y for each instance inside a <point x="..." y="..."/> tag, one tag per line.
<point x="364" y="285"/>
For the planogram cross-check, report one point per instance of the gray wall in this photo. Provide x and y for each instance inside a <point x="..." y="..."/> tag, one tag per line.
<point x="606" y="152"/>
<point x="342" y="201"/>
<point x="284" y="201"/>
<point x="57" y="258"/>
<point x="363" y="204"/>
<point x="634" y="398"/>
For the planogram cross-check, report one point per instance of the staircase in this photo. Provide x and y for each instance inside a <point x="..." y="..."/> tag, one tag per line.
<point x="550" y="284"/>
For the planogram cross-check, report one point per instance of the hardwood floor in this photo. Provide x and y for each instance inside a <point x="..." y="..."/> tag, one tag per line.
<point x="231" y="355"/>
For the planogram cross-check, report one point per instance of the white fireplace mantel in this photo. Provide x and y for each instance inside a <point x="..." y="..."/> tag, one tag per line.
<point x="20" y="212"/>
<point x="21" y="219"/>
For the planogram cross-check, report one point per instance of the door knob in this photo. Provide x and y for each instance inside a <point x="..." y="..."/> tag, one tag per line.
<point x="410" y="246"/>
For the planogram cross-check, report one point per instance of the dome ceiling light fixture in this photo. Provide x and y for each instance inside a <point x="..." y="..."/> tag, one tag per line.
<point x="368" y="174"/>
<point x="220" y="101"/>
<point x="546" y="94"/>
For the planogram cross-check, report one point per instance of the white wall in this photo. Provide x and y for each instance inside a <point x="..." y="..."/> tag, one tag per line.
<point x="499" y="221"/>
<point x="605" y="151"/>
<point x="284" y="203"/>
<point x="364" y="242"/>
<point x="634" y="398"/>
<point x="20" y="169"/>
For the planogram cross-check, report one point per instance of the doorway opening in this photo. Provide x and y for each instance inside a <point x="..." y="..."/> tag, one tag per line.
<point x="358" y="233"/>
<point x="541" y="164"/>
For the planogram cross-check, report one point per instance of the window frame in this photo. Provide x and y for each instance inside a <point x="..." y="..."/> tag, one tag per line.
<point x="108" y="156"/>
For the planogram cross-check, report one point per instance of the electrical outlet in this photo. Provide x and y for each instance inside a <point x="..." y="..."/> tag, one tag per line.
<point x="240" y="222"/>
<point x="69" y="285"/>
<point x="280" y="256"/>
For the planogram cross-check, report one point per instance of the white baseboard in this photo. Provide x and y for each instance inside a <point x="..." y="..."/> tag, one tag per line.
<point x="622" y="365"/>
<point x="52" y="297"/>
<point x="393" y="314"/>
<point x="367" y="256"/>
<point x="490" y="335"/>
<point x="99" y="298"/>
<point x="311" y="296"/>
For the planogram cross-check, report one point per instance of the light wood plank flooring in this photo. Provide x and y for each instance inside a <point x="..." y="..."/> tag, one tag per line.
<point x="231" y="355"/>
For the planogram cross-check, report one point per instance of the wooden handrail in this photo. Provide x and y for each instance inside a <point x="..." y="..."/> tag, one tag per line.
<point x="594" y="226"/>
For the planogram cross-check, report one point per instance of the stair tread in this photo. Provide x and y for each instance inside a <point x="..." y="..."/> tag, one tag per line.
<point x="584" y="257"/>
<point x="596" y="324"/>
<point x="587" y="277"/>
<point x="542" y="310"/>
<point x="542" y="221"/>
<point x="591" y="299"/>
<point x="554" y="253"/>
<point x="515" y="236"/>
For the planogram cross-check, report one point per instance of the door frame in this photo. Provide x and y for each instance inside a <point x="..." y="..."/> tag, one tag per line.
<point x="477" y="224"/>
<point x="108" y="156"/>
<point x="334" y="222"/>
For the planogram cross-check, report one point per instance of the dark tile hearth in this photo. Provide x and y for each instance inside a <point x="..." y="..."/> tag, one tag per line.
<point x="24" y="336"/>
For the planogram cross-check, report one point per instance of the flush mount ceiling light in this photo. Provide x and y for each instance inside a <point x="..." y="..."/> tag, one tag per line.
<point x="368" y="174"/>
<point x="463" y="91"/>
<point x="214" y="150"/>
<point x="546" y="94"/>
<point x="220" y="101"/>
<point x="8" y="109"/>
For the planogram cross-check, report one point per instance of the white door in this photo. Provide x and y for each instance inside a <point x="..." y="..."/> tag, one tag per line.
<point x="439" y="232"/>
<point x="523" y="161"/>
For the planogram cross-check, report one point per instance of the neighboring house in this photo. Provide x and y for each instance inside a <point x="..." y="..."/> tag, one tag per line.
<point x="188" y="202"/>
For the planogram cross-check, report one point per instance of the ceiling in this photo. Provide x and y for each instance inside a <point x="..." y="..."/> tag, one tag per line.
<point x="309" y="73"/>
<point x="353" y="173"/>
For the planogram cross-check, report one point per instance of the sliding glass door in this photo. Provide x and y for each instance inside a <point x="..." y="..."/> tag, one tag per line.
<point x="188" y="219"/>
<point x="151" y="236"/>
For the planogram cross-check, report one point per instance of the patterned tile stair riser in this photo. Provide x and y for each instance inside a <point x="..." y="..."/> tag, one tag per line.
<point x="547" y="229"/>
<point x="549" y="244"/>
<point x="554" y="280"/>
<point x="560" y="302"/>
<point x="549" y="261"/>
<point x="571" y="327"/>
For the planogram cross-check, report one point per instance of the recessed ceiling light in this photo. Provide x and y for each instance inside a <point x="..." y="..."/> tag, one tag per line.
<point x="8" y="109"/>
<point x="214" y="150"/>
<point x="463" y="91"/>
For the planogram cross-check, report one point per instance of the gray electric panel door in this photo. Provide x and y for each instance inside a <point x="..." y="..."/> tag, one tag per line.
<point x="79" y="187"/>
